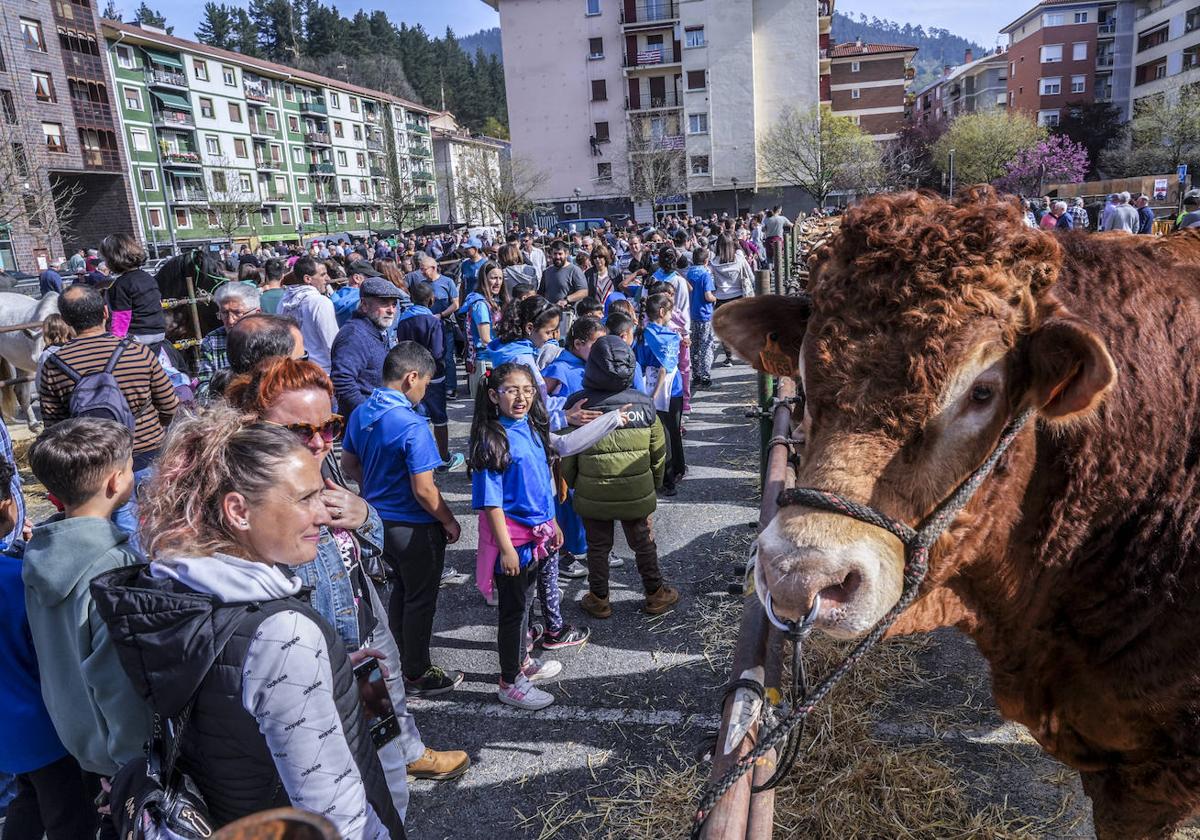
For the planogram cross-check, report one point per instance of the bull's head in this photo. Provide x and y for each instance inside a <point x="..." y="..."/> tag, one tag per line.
<point x="931" y="324"/>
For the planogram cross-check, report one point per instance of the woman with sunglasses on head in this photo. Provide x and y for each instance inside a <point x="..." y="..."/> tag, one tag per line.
<point x="297" y="396"/>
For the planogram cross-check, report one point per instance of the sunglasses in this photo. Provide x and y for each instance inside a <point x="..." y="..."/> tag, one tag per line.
<point x="329" y="431"/>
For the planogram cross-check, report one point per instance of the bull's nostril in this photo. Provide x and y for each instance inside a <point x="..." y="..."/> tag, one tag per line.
<point x="842" y="593"/>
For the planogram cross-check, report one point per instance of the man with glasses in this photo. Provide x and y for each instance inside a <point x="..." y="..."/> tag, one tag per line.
<point x="234" y="302"/>
<point x="535" y="256"/>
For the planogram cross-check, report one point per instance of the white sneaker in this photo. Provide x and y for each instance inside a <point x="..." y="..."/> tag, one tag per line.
<point x="452" y="577"/>
<point x="615" y="562"/>
<point x="572" y="570"/>
<point x="524" y="695"/>
<point x="541" y="669"/>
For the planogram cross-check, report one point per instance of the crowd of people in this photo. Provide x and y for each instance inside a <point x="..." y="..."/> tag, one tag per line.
<point x="1121" y="212"/>
<point x="249" y="550"/>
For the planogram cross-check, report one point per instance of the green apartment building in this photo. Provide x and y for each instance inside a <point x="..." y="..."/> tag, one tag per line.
<point x="226" y="147"/>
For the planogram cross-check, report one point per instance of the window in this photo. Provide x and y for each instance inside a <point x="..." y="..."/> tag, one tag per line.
<point x="363" y="186"/>
<point x="268" y="217"/>
<point x="220" y="184"/>
<point x="230" y="77"/>
<point x="1049" y="118"/>
<point x="43" y="87"/>
<point x="182" y="219"/>
<point x="293" y="124"/>
<point x="341" y="159"/>
<point x="699" y="164"/>
<point x="301" y="185"/>
<point x="353" y="104"/>
<point x="139" y="138"/>
<point x="603" y="171"/>
<point x="285" y="216"/>
<point x="595" y="48"/>
<point x="1078" y="84"/>
<point x="855" y="66"/>
<point x="855" y="93"/>
<point x="289" y="93"/>
<point x="1000" y="99"/>
<point x="235" y="112"/>
<point x="593" y="7"/>
<point x="239" y="148"/>
<point x="133" y="99"/>
<point x="697" y="123"/>
<point x="146" y="176"/>
<point x="1081" y="17"/>
<point x="346" y="186"/>
<point x="206" y="108"/>
<point x="297" y="155"/>
<point x="1010" y="99"/>
<point x="695" y="80"/>
<point x="8" y="107"/>
<point x="156" y="218"/>
<point x="1079" y="51"/>
<point x="306" y="215"/>
<point x="693" y="36"/>
<point x="1012" y="69"/>
<point x="212" y="145"/>
<point x="245" y="182"/>
<point x="54" y="137"/>
<point x="339" y="130"/>
<point x="357" y="132"/>
<point x="125" y="58"/>
<point x="1052" y="53"/>
<point x="281" y="184"/>
<point x="600" y="132"/>
<point x="1050" y="87"/>
<point x="360" y="160"/>
<point x="599" y="90"/>
<point x="31" y="34"/>
<point x="1053" y="19"/>
<point x="200" y="69"/>
<point x="272" y="121"/>
<point x="1154" y="37"/>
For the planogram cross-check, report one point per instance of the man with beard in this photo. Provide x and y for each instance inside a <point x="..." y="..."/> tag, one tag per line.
<point x="563" y="283"/>
<point x="361" y="345"/>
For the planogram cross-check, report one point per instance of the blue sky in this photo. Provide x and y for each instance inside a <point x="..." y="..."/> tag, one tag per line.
<point x="975" y="19"/>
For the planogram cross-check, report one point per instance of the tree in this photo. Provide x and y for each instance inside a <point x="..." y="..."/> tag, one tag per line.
<point x="1164" y="133"/>
<point x="149" y="17"/>
<point x="399" y="200"/>
<point x="111" y="11"/>
<point x="492" y="127"/>
<point x="229" y="202"/>
<point x="984" y="142"/>
<point x="1056" y="159"/>
<point x="29" y="195"/>
<point x="820" y="152"/>
<point x="278" y="30"/>
<point x="499" y="188"/>
<point x="216" y="28"/>
<point x="1094" y="125"/>
<point x="247" y="41"/>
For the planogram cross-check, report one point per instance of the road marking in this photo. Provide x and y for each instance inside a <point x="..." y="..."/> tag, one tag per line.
<point x="582" y="714"/>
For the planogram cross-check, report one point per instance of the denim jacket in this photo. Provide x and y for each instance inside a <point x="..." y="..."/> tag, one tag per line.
<point x="333" y="595"/>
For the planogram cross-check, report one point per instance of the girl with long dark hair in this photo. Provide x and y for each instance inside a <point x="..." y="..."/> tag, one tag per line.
<point x="482" y="310"/>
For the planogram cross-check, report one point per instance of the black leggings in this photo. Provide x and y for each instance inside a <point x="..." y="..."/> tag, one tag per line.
<point x="416" y="555"/>
<point x="54" y="801"/>
<point x="672" y="420"/>
<point x="516" y="597"/>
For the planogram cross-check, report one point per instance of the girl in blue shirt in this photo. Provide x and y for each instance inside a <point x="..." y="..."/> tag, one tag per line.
<point x="512" y="487"/>
<point x="482" y="310"/>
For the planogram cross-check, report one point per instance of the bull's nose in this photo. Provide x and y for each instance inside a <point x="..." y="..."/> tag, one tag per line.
<point x="796" y="578"/>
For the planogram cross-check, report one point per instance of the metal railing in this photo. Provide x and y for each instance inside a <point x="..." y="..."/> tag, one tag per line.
<point x="183" y="195"/>
<point x="313" y="106"/>
<point x="375" y="145"/>
<point x="256" y="92"/>
<point x="173" y="118"/>
<point x="652" y="56"/>
<point x="317" y="138"/>
<point x="1105" y="60"/>
<point x="669" y="99"/>
<point x="650" y="11"/>
<point x="320" y="168"/>
<point x="1107" y="28"/>
<point x="268" y="162"/>
<point x="181" y="158"/>
<point x="171" y="78"/>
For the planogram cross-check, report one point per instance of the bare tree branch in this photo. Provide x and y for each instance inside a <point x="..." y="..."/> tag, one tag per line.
<point x="28" y="194"/>
<point x="229" y="202"/>
<point x="820" y="152"/>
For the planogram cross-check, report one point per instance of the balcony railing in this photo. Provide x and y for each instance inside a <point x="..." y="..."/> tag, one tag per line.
<point x="650" y="11"/>
<point x="259" y="129"/>
<point x="424" y="200"/>
<point x="667" y="99"/>
<point x="1108" y="27"/>
<point x="256" y="92"/>
<point x="181" y="159"/>
<point x="416" y="128"/>
<point x="103" y="159"/>
<point x="419" y="151"/>
<point x="665" y="142"/>
<point x="274" y="196"/>
<point x="268" y="162"/>
<point x="1104" y="60"/>
<point x="373" y="117"/>
<point x="317" y="138"/>
<point x="1104" y="94"/>
<point x="320" y="168"/>
<point x="313" y="106"/>
<point x="651" y="56"/>
<point x="81" y="65"/>
<point x="375" y="145"/>
<point x="173" y="119"/>
<point x="185" y="195"/>
<point x="92" y="112"/>
<point x="421" y="175"/>
<point x="377" y="172"/>
<point x="165" y="78"/>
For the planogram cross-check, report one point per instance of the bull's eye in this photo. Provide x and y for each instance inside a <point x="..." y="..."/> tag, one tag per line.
<point x="982" y="393"/>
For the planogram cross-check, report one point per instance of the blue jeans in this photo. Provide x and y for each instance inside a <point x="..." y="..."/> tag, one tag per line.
<point x="126" y="516"/>
<point x="449" y="359"/>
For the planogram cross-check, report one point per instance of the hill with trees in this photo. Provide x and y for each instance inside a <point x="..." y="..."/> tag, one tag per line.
<point x="936" y="47"/>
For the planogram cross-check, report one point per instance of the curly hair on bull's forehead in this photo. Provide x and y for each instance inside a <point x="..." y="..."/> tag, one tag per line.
<point x="897" y="288"/>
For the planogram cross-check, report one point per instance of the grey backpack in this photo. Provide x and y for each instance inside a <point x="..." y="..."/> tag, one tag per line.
<point x="98" y="394"/>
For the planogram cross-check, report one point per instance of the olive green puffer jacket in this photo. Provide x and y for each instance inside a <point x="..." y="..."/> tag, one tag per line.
<point x="616" y="479"/>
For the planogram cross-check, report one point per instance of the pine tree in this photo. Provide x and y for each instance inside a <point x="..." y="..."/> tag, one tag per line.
<point x="216" y="27"/>
<point x="111" y="11"/>
<point x="323" y="31"/>
<point x="149" y="17"/>
<point x="246" y="41"/>
<point x="274" y="21"/>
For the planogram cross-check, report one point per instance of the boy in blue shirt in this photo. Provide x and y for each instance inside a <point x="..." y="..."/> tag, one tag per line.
<point x="702" y="297"/>
<point x="658" y="354"/>
<point x="390" y="451"/>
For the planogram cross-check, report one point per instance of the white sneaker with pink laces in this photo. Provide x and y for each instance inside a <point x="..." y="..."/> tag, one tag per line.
<point x="524" y="695"/>
<point x="541" y="669"/>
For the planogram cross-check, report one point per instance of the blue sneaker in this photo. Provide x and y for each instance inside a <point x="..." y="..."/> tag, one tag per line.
<point x="456" y="461"/>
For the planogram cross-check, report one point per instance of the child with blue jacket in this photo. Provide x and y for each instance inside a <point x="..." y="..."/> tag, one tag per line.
<point x="658" y="354"/>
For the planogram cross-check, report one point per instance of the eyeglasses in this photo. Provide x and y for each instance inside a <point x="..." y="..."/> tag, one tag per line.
<point x="329" y="431"/>
<point x="234" y="317"/>
<point x="517" y="391"/>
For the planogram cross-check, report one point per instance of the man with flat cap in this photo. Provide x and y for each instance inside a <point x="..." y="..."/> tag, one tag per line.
<point x="362" y="344"/>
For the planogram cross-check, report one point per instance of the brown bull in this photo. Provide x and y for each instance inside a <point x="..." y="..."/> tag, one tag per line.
<point x="1076" y="566"/>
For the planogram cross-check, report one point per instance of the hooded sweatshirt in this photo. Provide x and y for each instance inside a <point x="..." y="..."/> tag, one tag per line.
<point x="314" y="313"/>
<point x="732" y="280"/>
<point x="616" y="478"/>
<point x="100" y="717"/>
<point x="175" y="645"/>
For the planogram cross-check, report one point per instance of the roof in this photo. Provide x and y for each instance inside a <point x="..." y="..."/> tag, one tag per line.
<point x="1040" y="5"/>
<point x="963" y="69"/>
<point x="258" y="64"/>
<point x="853" y="48"/>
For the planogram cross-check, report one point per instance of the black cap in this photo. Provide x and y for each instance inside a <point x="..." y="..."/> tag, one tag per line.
<point x="364" y="268"/>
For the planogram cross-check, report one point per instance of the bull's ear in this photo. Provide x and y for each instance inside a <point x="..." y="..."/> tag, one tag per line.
<point x="759" y="328"/>
<point x="1070" y="369"/>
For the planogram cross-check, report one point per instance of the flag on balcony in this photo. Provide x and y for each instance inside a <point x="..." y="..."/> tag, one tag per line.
<point x="650" y="56"/>
<point x="672" y="141"/>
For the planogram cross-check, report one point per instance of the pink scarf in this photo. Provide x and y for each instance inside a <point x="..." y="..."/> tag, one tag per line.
<point x="489" y="552"/>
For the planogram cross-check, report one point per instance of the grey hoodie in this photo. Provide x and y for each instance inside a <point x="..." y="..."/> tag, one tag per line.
<point x="314" y="313"/>
<point x="100" y="717"/>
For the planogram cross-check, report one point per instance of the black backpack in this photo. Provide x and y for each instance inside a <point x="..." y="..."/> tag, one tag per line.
<point x="98" y="394"/>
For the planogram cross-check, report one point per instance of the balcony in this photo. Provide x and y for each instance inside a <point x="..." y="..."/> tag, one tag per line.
<point x="652" y="57"/>
<point x="317" y="138"/>
<point x="664" y="142"/>
<point x="1104" y="94"/>
<point x="92" y="113"/>
<point x="158" y="77"/>
<point x="372" y="116"/>
<point x="421" y="175"/>
<point x="173" y="119"/>
<point x="82" y="65"/>
<point x="187" y="195"/>
<point x="649" y="12"/>
<point x="650" y="102"/>
<point x="181" y="160"/>
<point x="313" y="106"/>
<point x="320" y="168"/>
<point x="419" y="151"/>
<point x="256" y="91"/>
<point x="268" y="163"/>
<point x="417" y="128"/>
<point x="106" y="160"/>
<point x="374" y="145"/>
<point x="424" y="200"/>
<point x="259" y="129"/>
<point x="329" y="198"/>
<point x="1108" y="27"/>
<point x="1105" y="60"/>
<point x="272" y="196"/>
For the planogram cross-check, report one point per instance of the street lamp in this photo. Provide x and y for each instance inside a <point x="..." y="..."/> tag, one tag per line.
<point x="736" y="206"/>
<point x="951" y="173"/>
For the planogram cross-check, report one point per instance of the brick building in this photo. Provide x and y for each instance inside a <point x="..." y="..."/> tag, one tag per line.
<point x="58" y="123"/>
<point x="978" y="84"/>
<point x="869" y="82"/>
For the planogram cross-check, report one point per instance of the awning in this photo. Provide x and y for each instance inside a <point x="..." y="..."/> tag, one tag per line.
<point x="172" y="100"/>
<point x="163" y="58"/>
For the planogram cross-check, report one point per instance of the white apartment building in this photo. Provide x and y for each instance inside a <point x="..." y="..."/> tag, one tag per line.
<point x="469" y="170"/>
<point x="1167" y="46"/>
<point x="602" y="92"/>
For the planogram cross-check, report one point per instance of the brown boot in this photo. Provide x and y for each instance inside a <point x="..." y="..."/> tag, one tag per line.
<point x="661" y="600"/>
<point x="440" y="766"/>
<point x="595" y="606"/>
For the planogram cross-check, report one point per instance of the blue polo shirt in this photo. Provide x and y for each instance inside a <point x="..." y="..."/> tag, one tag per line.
<point x="444" y="291"/>
<point x="468" y="273"/>
<point x="567" y="369"/>
<point x="659" y="348"/>
<point x="393" y="443"/>
<point x="702" y="281"/>
<point x="524" y="491"/>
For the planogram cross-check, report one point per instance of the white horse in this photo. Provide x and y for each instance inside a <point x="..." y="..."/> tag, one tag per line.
<point x="21" y="349"/>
